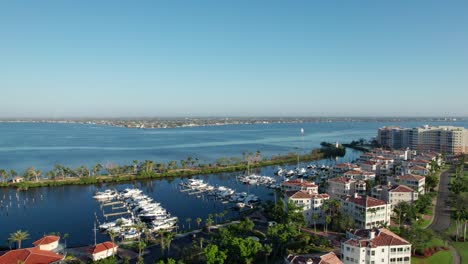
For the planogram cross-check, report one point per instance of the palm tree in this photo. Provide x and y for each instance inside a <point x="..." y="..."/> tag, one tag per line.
<point x="139" y="227"/>
<point x="198" y="220"/>
<point x="315" y="218"/>
<point x="4" y="175"/>
<point x="188" y="220"/>
<point x="169" y="238"/>
<point x="18" y="236"/>
<point x="135" y="166"/>
<point x="112" y="236"/>
<point x="65" y="236"/>
<point x="97" y="168"/>
<point x="209" y="223"/>
<point x="267" y="249"/>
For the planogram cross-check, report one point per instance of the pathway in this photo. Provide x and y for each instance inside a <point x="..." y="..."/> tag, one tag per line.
<point x="441" y="219"/>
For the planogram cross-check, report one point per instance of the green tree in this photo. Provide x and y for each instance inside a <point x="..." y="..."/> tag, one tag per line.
<point x="198" y="220"/>
<point x="18" y="237"/>
<point x="3" y="175"/>
<point x="213" y="255"/>
<point x="209" y="223"/>
<point x="267" y="249"/>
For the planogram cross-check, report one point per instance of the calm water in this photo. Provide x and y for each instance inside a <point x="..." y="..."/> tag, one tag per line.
<point x="71" y="209"/>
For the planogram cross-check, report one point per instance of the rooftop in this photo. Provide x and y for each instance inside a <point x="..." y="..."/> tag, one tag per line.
<point x="382" y="237"/>
<point x="102" y="247"/>
<point x="328" y="258"/>
<point x="29" y="256"/>
<point x="46" y="240"/>
<point x="305" y="195"/>
<point x="364" y="201"/>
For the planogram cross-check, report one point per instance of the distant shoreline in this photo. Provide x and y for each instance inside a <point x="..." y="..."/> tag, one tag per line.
<point x="164" y="123"/>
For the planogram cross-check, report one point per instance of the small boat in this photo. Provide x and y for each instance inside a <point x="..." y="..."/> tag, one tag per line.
<point x="279" y="171"/>
<point x="240" y="205"/>
<point x="290" y="173"/>
<point x="131" y="234"/>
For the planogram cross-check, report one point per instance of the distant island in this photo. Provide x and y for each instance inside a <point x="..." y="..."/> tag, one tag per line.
<point x="176" y="122"/>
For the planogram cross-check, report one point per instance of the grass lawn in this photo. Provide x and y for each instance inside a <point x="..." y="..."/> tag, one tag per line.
<point x="438" y="258"/>
<point x="462" y="248"/>
<point x="423" y="223"/>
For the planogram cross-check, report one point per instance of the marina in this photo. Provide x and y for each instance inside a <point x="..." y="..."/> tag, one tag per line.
<point x="139" y="208"/>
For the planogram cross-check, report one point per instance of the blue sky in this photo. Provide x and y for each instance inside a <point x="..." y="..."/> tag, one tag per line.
<point x="226" y="58"/>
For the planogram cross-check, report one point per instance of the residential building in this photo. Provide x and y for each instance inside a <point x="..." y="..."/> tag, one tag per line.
<point x="327" y="258"/>
<point x="395" y="194"/>
<point x="311" y="204"/>
<point x="359" y="175"/>
<point x="415" y="182"/>
<point x="375" y="246"/>
<point x="299" y="185"/>
<point x="341" y="186"/>
<point x="441" y="139"/>
<point x="341" y="168"/>
<point x="49" y="243"/>
<point x="103" y="250"/>
<point x="366" y="211"/>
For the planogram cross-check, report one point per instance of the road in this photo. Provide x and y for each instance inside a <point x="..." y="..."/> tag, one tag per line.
<point x="442" y="212"/>
<point x="441" y="219"/>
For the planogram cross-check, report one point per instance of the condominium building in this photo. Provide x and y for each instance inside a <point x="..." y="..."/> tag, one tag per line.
<point x="310" y="204"/>
<point x="341" y="186"/>
<point x="375" y="246"/>
<point x="395" y="194"/>
<point x="415" y="182"/>
<point x="443" y="139"/>
<point x="366" y="211"/>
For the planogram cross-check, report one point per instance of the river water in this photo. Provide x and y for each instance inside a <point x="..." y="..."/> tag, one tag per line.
<point x="72" y="210"/>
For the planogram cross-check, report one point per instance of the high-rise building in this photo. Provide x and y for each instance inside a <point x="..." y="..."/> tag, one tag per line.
<point x="444" y="139"/>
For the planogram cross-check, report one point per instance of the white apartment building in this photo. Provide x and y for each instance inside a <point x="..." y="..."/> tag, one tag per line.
<point x="366" y="211"/>
<point x="341" y="186"/>
<point x="415" y="182"/>
<point x="394" y="194"/>
<point x="449" y="139"/>
<point x="311" y="204"/>
<point x="359" y="175"/>
<point x="375" y="246"/>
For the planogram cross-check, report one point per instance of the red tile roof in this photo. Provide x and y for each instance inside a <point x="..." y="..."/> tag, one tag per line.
<point x="383" y="237"/>
<point x="306" y="195"/>
<point x="353" y="172"/>
<point x="297" y="182"/>
<point x="29" y="256"/>
<point x="328" y="258"/>
<point x="364" y="201"/>
<point x="345" y="165"/>
<point x="417" y="167"/>
<point x="46" y="240"/>
<point x="401" y="188"/>
<point x="101" y="247"/>
<point x="340" y="180"/>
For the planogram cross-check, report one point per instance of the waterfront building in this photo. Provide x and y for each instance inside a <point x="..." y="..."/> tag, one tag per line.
<point x="319" y="258"/>
<point x="366" y="211"/>
<point x="341" y="186"/>
<point x="395" y="194"/>
<point x="310" y="203"/>
<point x="375" y="246"/>
<point x="103" y="250"/>
<point x="299" y="185"/>
<point x="415" y="182"/>
<point x="441" y="139"/>
<point x="49" y="243"/>
<point x="393" y="137"/>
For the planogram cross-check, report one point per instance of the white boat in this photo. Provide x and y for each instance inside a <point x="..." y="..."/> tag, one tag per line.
<point x="240" y="205"/>
<point x="290" y="173"/>
<point x="279" y="171"/>
<point x="105" y="195"/>
<point x="131" y="234"/>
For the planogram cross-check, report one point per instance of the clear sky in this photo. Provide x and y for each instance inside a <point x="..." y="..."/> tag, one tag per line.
<point x="226" y="58"/>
